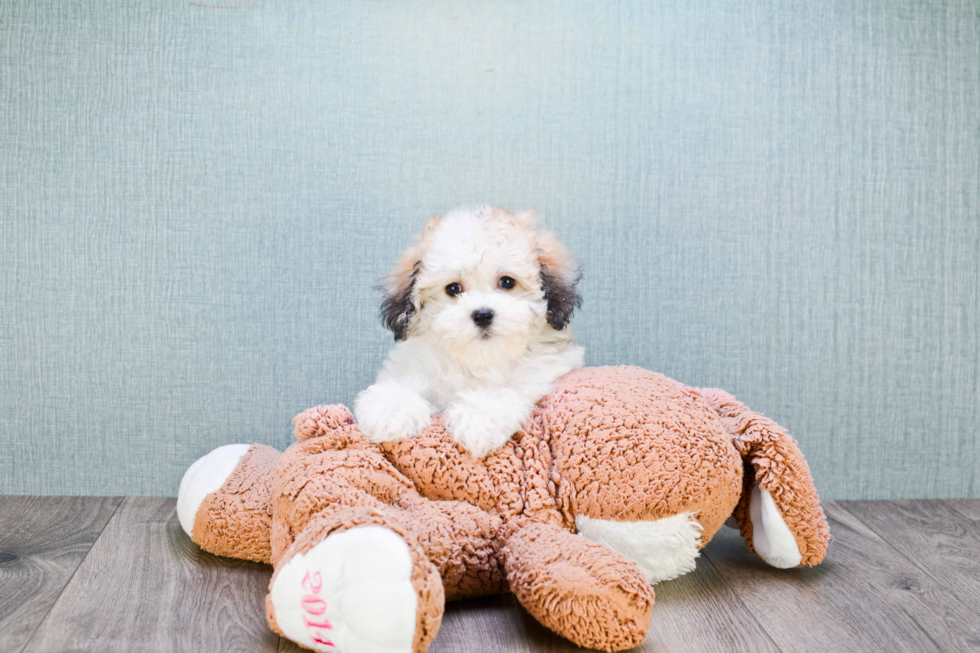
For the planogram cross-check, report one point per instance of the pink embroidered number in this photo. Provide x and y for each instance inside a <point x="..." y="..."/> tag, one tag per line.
<point x="314" y="606"/>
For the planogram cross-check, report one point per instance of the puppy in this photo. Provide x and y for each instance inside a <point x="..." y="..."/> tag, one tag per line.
<point x="479" y="306"/>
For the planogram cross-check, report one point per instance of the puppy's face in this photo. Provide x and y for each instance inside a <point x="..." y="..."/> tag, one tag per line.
<point x="485" y="283"/>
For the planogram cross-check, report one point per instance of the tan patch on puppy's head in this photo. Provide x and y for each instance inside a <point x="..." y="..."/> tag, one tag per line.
<point x="399" y="307"/>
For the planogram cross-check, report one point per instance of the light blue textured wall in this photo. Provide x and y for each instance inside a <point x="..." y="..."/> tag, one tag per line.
<point x="781" y="198"/>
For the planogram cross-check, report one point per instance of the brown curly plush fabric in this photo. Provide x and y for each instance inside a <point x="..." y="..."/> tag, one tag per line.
<point x="779" y="467"/>
<point x="571" y="584"/>
<point x="636" y="445"/>
<point x="615" y="443"/>
<point x="342" y="470"/>
<point x="611" y="443"/>
<point x="235" y="520"/>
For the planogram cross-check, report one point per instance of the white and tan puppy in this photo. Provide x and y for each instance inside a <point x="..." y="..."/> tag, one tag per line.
<point x="479" y="306"/>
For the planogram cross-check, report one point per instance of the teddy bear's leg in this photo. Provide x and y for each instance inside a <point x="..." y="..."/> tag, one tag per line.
<point x="462" y="541"/>
<point x="580" y="589"/>
<point x="225" y="501"/>
<point x="779" y="513"/>
<point x="334" y="465"/>
<point x="356" y="580"/>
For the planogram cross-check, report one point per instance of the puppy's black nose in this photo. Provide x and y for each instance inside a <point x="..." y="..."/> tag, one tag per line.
<point x="482" y="317"/>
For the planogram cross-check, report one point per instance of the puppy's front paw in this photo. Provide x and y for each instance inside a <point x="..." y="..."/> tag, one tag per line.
<point x="485" y="420"/>
<point x="390" y="412"/>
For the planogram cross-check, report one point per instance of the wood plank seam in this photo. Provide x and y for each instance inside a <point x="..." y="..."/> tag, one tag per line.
<point x="951" y="504"/>
<point x="862" y="597"/>
<point x="71" y="578"/>
<point x="740" y="601"/>
<point x="925" y="570"/>
<point x="738" y="598"/>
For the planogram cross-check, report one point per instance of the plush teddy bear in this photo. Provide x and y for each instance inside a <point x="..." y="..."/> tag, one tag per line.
<point x="615" y="482"/>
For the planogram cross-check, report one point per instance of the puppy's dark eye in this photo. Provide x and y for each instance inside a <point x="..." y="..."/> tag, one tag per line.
<point x="453" y="289"/>
<point x="506" y="283"/>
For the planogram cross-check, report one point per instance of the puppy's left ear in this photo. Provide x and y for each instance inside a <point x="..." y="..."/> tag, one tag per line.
<point x="559" y="275"/>
<point x="398" y="308"/>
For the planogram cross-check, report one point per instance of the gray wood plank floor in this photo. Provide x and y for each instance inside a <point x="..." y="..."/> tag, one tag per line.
<point x="110" y="574"/>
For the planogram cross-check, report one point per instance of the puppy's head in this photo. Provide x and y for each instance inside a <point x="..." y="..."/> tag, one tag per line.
<point x="485" y="283"/>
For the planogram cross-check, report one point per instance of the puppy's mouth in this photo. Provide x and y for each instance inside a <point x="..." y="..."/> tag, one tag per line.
<point x="485" y="335"/>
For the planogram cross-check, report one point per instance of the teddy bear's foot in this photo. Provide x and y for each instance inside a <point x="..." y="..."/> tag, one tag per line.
<point x="351" y="592"/>
<point x="560" y="578"/>
<point x="352" y="584"/>
<point x="225" y="501"/>
<point x="779" y="513"/>
<point x="771" y="537"/>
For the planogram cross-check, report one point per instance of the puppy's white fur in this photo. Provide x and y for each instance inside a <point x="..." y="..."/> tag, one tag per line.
<point x="486" y="381"/>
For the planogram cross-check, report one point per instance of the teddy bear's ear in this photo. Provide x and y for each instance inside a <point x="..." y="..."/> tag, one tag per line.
<point x="399" y="305"/>
<point x="559" y="275"/>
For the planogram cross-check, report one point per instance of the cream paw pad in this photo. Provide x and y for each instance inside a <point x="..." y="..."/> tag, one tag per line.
<point x="352" y="592"/>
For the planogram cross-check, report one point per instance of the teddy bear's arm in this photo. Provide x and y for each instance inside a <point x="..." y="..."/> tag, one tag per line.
<point x="559" y="577"/>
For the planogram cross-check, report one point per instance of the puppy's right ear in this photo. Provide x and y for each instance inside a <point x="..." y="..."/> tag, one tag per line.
<point x="399" y="306"/>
